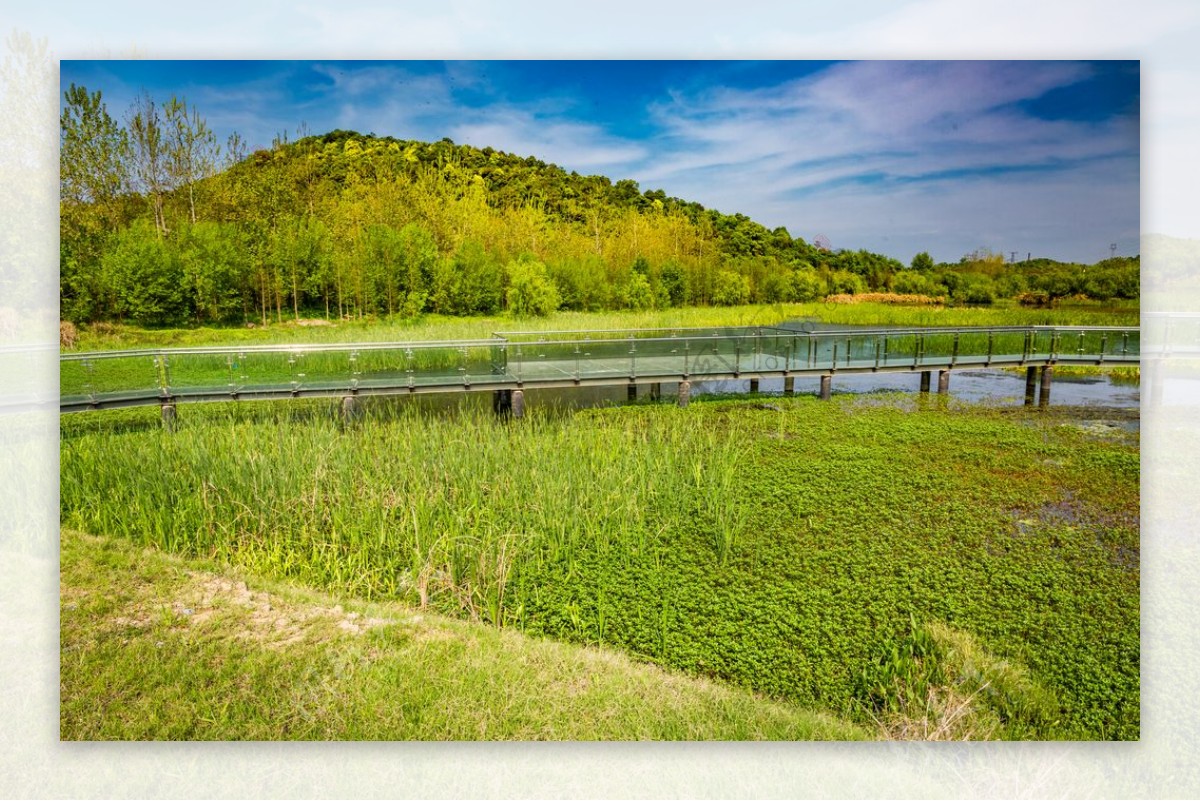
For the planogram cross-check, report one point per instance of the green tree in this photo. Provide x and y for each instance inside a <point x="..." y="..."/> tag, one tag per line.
<point x="145" y="278"/>
<point x="731" y="289"/>
<point x="215" y="270"/>
<point x="191" y="148"/>
<point x="93" y="150"/>
<point x="530" y="289"/>
<point x="807" y="285"/>
<point x="636" y="293"/>
<point x="922" y="261"/>
<point x="149" y="155"/>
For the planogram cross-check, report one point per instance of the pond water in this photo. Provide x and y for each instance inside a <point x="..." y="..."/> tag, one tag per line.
<point x="980" y="386"/>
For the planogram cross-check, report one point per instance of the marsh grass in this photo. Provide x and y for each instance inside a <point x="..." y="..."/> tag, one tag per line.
<point x="779" y="548"/>
<point x="155" y="647"/>
<point x="107" y="336"/>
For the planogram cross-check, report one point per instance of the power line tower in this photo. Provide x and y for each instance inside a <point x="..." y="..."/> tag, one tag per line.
<point x="1012" y="256"/>
<point x="1112" y="250"/>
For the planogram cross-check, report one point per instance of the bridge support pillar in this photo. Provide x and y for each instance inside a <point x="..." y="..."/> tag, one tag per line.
<point x="502" y="402"/>
<point x="349" y="408"/>
<point x="518" y="404"/>
<point x="943" y="381"/>
<point x="168" y="416"/>
<point x="632" y="394"/>
<point x="925" y="381"/>
<point x="685" y="393"/>
<point x="753" y="386"/>
<point x="655" y="391"/>
<point x="1044" y="390"/>
<point x="826" y="387"/>
<point x="1030" y="384"/>
<point x="789" y="385"/>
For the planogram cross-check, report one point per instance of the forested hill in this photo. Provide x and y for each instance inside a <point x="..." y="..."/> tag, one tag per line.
<point x="346" y="224"/>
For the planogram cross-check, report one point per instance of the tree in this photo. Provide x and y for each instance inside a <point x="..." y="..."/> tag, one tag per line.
<point x="93" y="150"/>
<point x="922" y="261"/>
<point x="530" y="289"/>
<point x="731" y="289"/>
<point x="149" y="155"/>
<point x="191" y="148"/>
<point x="145" y="278"/>
<point x="215" y="269"/>
<point x="807" y="285"/>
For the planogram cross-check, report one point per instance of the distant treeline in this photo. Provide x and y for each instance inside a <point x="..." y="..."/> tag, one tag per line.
<point x="162" y="225"/>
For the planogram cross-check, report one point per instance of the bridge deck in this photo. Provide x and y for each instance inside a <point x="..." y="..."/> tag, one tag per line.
<point x="523" y="360"/>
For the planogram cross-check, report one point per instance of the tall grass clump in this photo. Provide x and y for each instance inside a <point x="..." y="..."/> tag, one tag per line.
<point x="441" y="509"/>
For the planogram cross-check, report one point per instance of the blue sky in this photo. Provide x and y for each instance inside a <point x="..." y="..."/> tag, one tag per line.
<point x="892" y="156"/>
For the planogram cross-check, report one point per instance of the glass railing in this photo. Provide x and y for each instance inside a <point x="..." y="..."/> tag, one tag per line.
<point x="518" y="358"/>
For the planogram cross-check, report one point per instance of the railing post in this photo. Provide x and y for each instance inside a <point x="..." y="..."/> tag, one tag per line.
<point x="164" y="375"/>
<point x="954" y="352"/>
<point x="991" y="336"/>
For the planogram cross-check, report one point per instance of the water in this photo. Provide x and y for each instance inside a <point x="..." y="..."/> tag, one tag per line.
<point x="991" y="386"/>
<point x="997" y="387"/>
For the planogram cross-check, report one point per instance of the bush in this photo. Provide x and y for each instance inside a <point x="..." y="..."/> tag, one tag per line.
<point x="731" y="289"/>
<point x="530" y="290"/>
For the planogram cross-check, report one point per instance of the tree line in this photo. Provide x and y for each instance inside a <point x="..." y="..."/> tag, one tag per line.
<point x="162" y="224"/>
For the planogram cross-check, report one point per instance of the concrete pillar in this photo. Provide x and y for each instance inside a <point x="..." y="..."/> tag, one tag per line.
<point x="943" y="381"/>
<point x="632" y="395"/>
<point x="1044" y="391"/>
<point x="349" y="408"/>
<point x="685" y="393"/>
<point x="925" y="381"/>
<point x="826" y="387"/>
<point x="518" y="404"/>
<point x="655" y="391"/>
<point x="168" y="416"/>
<point x="789" y="385"/>
<point x="753" y="385"/>
<point x="1155" y="368"/>
<point x="1030" y="384"/>
<point x="502" y="402"/>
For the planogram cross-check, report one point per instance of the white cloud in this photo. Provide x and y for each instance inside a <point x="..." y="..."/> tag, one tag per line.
<point x="873" y="140"/>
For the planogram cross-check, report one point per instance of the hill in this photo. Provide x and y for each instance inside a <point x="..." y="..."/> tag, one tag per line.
<point x="156" y="230"/>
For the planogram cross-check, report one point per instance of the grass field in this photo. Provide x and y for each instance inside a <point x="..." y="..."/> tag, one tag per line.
<point x="914" y="569"/>
<point x="433" y="327"/>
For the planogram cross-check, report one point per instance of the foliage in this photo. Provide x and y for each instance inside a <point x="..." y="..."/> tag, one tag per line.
<point x="731" y="289"/>
<point x="530" y="290"/>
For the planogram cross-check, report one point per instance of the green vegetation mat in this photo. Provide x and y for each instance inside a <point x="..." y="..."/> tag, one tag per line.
<point x="156" y="647"/>
<point x="920" y="569"/>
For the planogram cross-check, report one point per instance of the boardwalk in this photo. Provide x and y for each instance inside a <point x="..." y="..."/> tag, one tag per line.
<point x="518" y="360"/>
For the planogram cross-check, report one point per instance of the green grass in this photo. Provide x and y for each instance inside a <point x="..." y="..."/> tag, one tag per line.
<point x="788" y="550"/>
<point x="434" y="327"/>
<point x="156" y="647"/>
